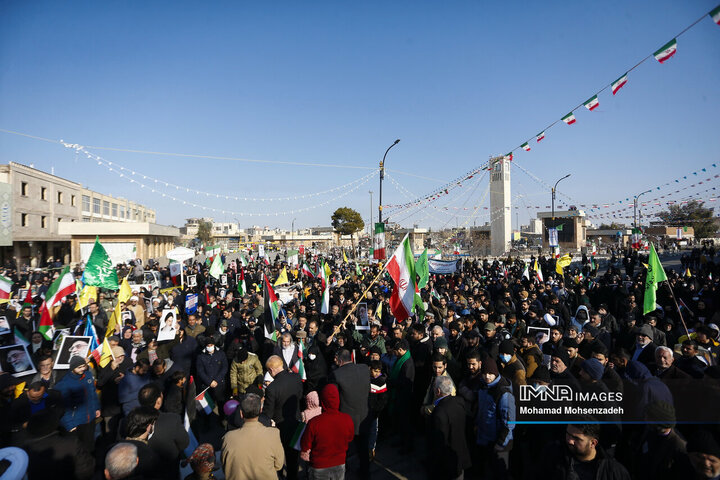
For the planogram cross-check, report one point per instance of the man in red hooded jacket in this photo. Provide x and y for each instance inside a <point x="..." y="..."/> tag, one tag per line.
<point x="327" y="437"/>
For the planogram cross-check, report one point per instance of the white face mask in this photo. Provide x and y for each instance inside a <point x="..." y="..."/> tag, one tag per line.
<point x="210" y="349"/>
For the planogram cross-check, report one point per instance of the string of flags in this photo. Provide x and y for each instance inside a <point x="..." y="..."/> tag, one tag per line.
<point x="152" y="188"/>
<point x="662" y="55"/>
<point x="115" y="167"/>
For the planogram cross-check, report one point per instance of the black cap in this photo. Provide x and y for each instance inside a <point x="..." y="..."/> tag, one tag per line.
<point x="562" y="355"/>
<point x="541" y="374"/>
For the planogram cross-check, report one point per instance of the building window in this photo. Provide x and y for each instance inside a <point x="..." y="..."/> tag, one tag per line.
<point x="24" y="219"/>
<point x="86" y="203"/>
<point x="96" y="206"/>
<point x="122" y="211"/>
<point x="86" y="219"/>
<point x="114" y="209"/>
<point x="59" y="195"/>
<point x="23" y="189"/>
<point x="59" y="219"/>
<point x="43" y="193"/>
<point x="106" y="208"/>
<point x="72" y="200"/>
<point x="43" y="221"/>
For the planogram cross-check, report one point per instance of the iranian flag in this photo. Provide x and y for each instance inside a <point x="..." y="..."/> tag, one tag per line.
<point x="540" y="136"/>
<point x="63" y="286"/>
<point x="525" y="146"/>
<point x="307" y="271"/>
<point x="715" y="14"/>
<point x="292" y="257"/>
<point x="5" y="287"/>
<point x="28" y="302"/>
<point x="243" y="261"/>
<point x="379" y="242"/>
<point x="212" y="251"/>
<point x="592" y="103"/>
<point x="325" y="277"/>
<point x="205" y="402"/>
<point x="272" y="308"/>
<point x="401" y="268"/>
<point x="538" y="272"/>
<point x="569" y="118"/>
<point x="618" y="84"/>
<point x="509" y="157"/>
<point x="666" y="51"/>
<point x="241" y="287"/>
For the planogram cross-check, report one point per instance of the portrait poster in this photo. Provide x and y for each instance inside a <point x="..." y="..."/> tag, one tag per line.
<point x="168" y="325"/>
<point x="362" y="315"/>
<point x="16" y="361"/>
<point x="72" y="346"/>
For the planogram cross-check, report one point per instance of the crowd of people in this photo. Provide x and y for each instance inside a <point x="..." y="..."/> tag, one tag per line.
<point x="258" y="390"/>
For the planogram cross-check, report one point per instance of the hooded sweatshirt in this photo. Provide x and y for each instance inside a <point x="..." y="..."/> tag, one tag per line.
<point x="328" y="435"/>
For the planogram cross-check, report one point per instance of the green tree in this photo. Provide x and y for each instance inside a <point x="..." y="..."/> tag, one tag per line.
<point x="204" y="232"/>
<point x="347" y="221"/>
<point x="692" y="214"/>
<point x="612" y="226"/>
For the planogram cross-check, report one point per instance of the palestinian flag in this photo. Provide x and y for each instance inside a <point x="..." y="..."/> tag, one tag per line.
<point x="525" y="146"/>
<point x="5" y="288"/>
<point x="241" y="287"/>
<point x="379" y="242"/>
<point x="715" y="14"/>
<point x="20" y="338"/>
<point x="205" y="402"/>
<point x="569" y="118"/>
<point x="28" y="302"/>
<point x="299" y="366"/>
<point x="272" y="308"/>
<point x="592" y="103"/>
<point x="540" y="136"/>
<point x="402" y="271"/>
<point x="307" y="271"/>
<point x="666" y="51"/>
<point x="618" y="84"/>
<point x="297" y="436"/>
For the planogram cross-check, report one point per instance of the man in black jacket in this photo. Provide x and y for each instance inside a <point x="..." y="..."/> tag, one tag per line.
<point x="353" y="381"/>
<point x="400" y="382"/>
<point x="170" y="438"/>
<point x="581" y="458"/>
<point x="449" y="454"/>
<point x="282" y="405"/>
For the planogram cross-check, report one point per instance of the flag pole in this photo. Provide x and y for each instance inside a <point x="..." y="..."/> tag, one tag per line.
<point x="672" y="294"/>
<point x="352" y="310"/>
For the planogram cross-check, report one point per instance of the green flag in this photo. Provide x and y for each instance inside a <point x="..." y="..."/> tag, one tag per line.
<point x="217" y="268"/>
<point x="655" y="275"/>
<point x="358" y="270"/>
<point x="559" y="228"/>
<point x="99" y="271"/>
<point x="422" y="269"/>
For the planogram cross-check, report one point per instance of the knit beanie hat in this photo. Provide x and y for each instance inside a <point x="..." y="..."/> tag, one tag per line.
<point x="562" y="355"/>
<point x="490" y="366"/>
<point x="506" y="346"/>
<point x="661" y="413"/>
<point x="76" y="361"/>
<point x="593" y="368"/>
<point x="703" y="441"/>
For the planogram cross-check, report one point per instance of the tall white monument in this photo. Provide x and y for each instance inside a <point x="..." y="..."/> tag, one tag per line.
<point x="500" y="206"/>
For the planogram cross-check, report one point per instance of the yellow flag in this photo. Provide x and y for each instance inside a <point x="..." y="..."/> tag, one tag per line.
<point x="558" y="268"/>
<point x="106" y="356"/>
<point x="344" y="257"/>
<point x="328" y="272"/>
<point x="687" y="273"/>
<point x="282" y="278"/>
<point x="564" y="261"/>
<point x="85" y="294"/>
<point x="124" y="295"/>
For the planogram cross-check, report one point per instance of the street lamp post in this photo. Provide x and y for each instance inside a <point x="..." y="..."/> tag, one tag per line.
<point x="370" y="230"/>
<point x="292" y="232"/>
<point x="635" y="206"/>
<point x="382" y="176"/>
<point x="552" y="249"/>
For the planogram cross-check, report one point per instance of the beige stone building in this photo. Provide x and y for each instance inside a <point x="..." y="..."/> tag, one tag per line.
<point x="35" y="204"/>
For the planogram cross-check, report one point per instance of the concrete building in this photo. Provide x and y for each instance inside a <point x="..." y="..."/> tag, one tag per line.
<point x="33" y="205"/>
<point x="122" y="241"/>
<point x="500" y="206"/>
<point x="571" y="225"/>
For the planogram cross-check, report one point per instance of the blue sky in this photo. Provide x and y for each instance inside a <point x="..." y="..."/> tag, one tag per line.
<point x="336" y="83"/>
